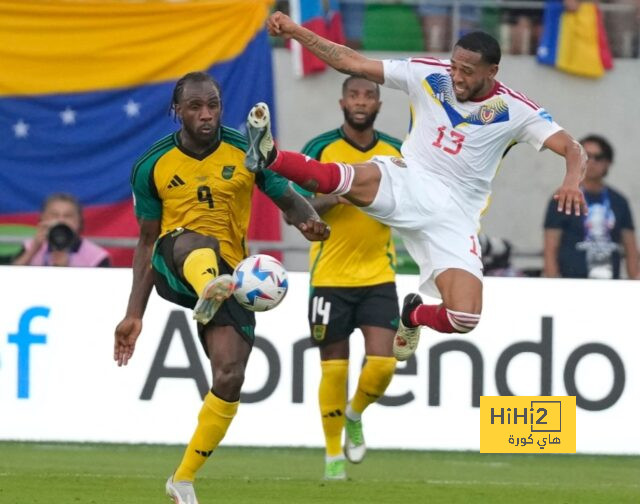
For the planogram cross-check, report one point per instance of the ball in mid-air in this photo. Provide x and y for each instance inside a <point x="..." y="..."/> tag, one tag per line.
<point x="260" y="282"/>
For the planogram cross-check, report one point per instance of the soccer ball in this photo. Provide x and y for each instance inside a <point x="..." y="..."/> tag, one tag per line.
<point x="260" y="282"/>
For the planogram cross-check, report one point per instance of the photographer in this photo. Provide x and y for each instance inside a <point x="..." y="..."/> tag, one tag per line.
<point x="58" y="241"/>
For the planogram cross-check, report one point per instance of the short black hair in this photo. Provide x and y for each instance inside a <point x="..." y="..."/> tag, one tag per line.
<point x="191" y="77"/>
<point x="68" y="198"/>
<point x="351" y="78"/>
<point x="482" y="43"/>
<point x="603" y="143"/>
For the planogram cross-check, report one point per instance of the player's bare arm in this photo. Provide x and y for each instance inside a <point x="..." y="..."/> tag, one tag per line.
<point x="322" y="203"/>
<point x="128" y="330"/>
<point x="341" y="58"/>
<point x="631" y="257"/>
<point x="550" y="252"/>
<point x="569" y="196"/>
<point x="299" y="212"/>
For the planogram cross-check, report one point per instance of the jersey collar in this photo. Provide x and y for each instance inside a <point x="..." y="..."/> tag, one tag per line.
<point x="203" y="155"/>
<point x="491" y="92"/>
<point x="355" y="145"/>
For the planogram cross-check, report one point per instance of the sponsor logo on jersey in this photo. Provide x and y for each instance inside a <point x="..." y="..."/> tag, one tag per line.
<point x="227" y="172"/>
<point x="398" y="162"/>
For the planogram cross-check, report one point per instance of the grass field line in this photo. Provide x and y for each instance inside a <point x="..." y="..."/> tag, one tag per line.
<point x="441" y="482"/>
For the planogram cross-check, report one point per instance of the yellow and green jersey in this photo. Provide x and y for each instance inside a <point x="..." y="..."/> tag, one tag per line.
<point x="210" y="194"/>
<point x="359" y="251"/>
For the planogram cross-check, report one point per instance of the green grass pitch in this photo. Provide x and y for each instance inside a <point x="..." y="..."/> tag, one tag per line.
<point x="48" y="473"/>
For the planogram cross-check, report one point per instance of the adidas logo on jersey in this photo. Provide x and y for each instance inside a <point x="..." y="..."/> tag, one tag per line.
<point x="175" y="182"/>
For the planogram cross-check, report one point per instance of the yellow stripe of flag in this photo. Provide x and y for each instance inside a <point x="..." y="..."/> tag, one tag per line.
<point x="68" y="46"/>
<point x="578" y="46"/>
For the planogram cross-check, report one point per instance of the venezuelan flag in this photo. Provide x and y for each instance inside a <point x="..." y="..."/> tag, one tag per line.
<point x="85" y="88"/>
<point x="320" y="17"/>
<point x="575" y="42"/>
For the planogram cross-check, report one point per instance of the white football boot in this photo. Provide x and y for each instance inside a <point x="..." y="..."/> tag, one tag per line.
<point x="214" y="294"/>
<point x="181" y="492"/>
<point x="261" y="151"/>
<point x="407" y="337"/>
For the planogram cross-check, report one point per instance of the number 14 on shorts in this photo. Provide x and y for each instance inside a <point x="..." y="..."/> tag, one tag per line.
<point x="320" y="310"/>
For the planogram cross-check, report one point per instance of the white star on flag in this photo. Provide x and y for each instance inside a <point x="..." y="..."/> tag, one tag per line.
<point x="21" y="129"/>
<point x="68" y="116"/>
<point x="132" y="108"/>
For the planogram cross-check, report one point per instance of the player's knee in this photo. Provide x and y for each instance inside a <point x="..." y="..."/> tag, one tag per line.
<point x="463" y="322"/>
<point x="228" y="379"/>
<point x="366" y="181"/>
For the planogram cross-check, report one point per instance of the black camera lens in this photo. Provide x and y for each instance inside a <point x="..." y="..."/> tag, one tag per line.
<point x="61" y="237"/>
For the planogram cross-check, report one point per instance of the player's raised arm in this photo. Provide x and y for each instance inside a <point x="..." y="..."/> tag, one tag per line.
<point x="569" y="196"/>
<point x="341" y="58"/>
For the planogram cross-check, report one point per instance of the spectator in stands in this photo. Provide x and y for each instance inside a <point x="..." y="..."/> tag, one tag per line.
<point x="524" y="29"/>
<point x="437" y="22"/>
<point x="623" y="28"/>
<point x="58" y="241"/>
<point x="590" y="246"/>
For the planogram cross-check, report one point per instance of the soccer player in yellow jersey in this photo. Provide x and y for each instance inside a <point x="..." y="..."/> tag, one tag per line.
<point x="353" y="282"/>
<point x="193" y="202"/>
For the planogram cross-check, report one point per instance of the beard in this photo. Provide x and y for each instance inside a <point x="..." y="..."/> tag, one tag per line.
<point x="360" y="126"/>
<point x="471" y="93"/>
<point x="199" y="138"/>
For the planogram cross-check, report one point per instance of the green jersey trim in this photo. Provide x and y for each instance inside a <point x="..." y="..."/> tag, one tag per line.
<point x="393" y="141"/>
<point x="314" y="147"/>
<point x="146" y="201"/>
<point x="272" y="184"/>
<point x="234" y="137"/>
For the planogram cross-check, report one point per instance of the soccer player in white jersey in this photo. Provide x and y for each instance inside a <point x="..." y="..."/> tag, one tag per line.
<point x="463" y="121"/>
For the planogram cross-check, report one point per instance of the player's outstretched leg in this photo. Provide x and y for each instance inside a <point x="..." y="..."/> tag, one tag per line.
<point x="212" y="297"/>
<point x="408" y="335"/>
<point x="326" y="178"/>
<point x="261" y="151"/>
<point x="181" y="492"/>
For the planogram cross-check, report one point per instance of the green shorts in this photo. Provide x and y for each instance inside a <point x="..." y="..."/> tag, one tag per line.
<point x="171" y="285"/>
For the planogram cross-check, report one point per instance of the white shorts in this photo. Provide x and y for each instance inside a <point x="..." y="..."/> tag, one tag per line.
<point x="437" y="233"/>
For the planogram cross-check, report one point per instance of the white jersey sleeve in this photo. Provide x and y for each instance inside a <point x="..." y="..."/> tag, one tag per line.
<point x="536" y="127"/>
<point x="397" y="74"/>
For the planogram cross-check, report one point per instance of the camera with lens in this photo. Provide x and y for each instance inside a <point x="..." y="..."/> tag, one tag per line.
<point x="61" y="237"/>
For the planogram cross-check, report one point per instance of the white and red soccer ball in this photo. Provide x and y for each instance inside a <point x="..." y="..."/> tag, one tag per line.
<point x="260" y="282"/>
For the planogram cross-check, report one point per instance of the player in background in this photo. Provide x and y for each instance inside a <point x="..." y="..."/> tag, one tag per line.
<point x="193" y="202"/>
<point x="352" y="282"/>
<point x="463" y="121"/>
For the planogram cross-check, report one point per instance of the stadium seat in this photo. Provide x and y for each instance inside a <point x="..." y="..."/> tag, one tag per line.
<point x="381" y="32"/>
<point x="9" y="251"/>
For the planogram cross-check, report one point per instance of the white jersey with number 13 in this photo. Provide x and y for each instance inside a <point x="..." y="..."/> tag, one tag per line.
<point x="462" y="143"/>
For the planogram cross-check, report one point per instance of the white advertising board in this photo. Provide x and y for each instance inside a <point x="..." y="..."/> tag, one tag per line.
<point x="58" y="380"/>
